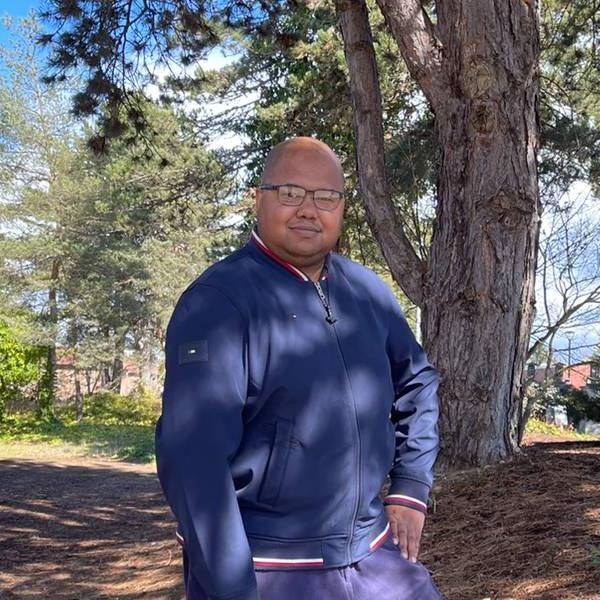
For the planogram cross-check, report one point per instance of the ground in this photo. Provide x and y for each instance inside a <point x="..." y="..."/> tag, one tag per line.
<point x="79" y="528"/>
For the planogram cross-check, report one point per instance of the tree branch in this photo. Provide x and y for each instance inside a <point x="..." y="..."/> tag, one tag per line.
<point x="414" y="33"/>
<point x="406" y="267"/>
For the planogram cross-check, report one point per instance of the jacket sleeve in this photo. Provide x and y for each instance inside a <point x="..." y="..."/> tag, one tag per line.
<point x="414" y="415"/>
<point x="197" y="435"/>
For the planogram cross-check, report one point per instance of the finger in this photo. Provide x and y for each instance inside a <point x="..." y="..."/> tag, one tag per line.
<point x="394" y="527"/>
<point x="403" y="538"/>
<point x="413" y="547"/>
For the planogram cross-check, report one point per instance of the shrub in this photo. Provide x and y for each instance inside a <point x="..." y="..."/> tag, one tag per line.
<point x="583" y="404"/>
<point x="19" y="367"/>
<point x="141" y="407"/>
<point x="541" y="397"/>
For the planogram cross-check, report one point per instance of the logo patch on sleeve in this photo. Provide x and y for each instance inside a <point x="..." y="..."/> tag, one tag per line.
<point x="196" y="351"/>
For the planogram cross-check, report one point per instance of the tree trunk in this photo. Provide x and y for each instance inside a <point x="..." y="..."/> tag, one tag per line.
<point x="478" y="68"/>
<point x="88" y="381"/>
<point x="47" y="393"/>
<point x="117" y="371"/>
<point x="478" y="309"/>
<point x="78" y="398"/>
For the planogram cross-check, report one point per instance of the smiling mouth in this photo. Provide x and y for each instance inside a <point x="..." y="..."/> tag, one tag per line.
<point x="306" y="229"/>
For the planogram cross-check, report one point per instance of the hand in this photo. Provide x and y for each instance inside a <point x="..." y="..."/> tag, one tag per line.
<point x="407" y="525"/>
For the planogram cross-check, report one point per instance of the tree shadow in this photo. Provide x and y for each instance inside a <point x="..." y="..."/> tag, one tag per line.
<point x="93" y="530"/>
<point x="528" y="528"/>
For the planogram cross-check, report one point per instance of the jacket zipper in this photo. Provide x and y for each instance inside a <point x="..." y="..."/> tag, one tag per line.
<point x="331" y="320"/>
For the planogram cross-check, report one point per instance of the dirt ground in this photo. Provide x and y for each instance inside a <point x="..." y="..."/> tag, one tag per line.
<point x="526" y="529"/>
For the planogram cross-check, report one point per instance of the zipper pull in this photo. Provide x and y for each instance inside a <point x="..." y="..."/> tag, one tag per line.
<point x="329" y="318"/>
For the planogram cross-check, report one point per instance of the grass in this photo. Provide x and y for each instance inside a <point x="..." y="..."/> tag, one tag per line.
<point x="24" y="436"/>
<point x="539" y="426"/>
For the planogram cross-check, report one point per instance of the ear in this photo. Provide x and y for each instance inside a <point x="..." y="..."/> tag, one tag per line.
<point x="257" y="200"/>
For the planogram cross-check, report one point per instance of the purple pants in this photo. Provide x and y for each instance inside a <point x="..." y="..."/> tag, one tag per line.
<point x="383" y="575"/>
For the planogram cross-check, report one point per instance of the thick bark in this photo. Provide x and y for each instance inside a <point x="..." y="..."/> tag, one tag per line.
<point x="479" y="303"/>
<point x="414" y="33"/>
<point x="478" y="291"/>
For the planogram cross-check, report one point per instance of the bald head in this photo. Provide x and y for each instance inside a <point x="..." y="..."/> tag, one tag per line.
<point x="297" y="150"/>
<point x="301" y="234"/>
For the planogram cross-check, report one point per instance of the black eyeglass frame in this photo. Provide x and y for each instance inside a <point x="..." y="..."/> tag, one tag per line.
<point x="273" y="187"/>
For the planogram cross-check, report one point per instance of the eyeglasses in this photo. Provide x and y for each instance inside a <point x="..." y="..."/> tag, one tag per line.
<point x="293" y="195"/>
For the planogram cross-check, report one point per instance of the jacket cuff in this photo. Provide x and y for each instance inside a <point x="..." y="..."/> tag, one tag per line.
<point x="409" y="493"/>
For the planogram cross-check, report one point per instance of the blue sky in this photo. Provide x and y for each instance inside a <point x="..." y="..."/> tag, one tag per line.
<point x="16" y="9"/>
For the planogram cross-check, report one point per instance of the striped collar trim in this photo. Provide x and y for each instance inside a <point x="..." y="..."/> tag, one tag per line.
<point x="286" y="265"/>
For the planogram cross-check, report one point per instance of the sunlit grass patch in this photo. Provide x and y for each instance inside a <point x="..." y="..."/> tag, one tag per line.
<point x="28" y="435"/>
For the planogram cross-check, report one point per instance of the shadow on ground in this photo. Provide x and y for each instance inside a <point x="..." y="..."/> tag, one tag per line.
<point x="93" y="529"/>
<point x="84" y="529"/>
<point x="524" y="529"/>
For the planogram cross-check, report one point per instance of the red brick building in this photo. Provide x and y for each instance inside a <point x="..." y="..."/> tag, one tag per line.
<point x="580" y="375"/>
<point x="91" y="380"/>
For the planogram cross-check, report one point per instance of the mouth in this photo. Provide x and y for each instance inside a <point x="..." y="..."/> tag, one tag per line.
<point x="305" y="228"/>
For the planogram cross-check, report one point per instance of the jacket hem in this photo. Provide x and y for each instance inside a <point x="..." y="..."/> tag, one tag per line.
<point x="318" y="553"/>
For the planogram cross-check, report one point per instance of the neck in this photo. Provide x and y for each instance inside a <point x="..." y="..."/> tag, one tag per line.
<point x="313" y="268"/>
<point x="313" y="271"/>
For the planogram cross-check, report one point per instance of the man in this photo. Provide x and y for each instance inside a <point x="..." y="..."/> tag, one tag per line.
<point x="293" y="387"/>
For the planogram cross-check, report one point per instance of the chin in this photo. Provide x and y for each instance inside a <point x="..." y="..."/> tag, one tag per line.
<point x="304" y="250"/>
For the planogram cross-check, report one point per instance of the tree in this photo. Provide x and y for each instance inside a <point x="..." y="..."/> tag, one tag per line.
<point x="477" y="66"/>
<point x="96" y="248"/>
<point x="36" y="135"/>
<point x="138" y="234"/>
<point x="568" y="280"/>
<point x="476" y="287"/>
<point x="569" y="271"/>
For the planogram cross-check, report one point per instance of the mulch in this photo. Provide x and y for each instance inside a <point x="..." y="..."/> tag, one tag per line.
<point x="528" y="529"/>
<point x="524" y="529"/>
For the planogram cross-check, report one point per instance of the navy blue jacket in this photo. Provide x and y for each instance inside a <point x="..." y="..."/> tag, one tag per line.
<point x="280" y="422"/>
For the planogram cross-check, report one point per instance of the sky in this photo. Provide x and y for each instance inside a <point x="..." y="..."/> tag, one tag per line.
<point x="16" y="9"/>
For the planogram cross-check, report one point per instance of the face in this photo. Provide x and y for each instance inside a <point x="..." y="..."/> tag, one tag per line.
<point x="303" y="234"/>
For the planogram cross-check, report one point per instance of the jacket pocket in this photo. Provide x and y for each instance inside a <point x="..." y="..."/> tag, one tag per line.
<point x="277" y="462"/>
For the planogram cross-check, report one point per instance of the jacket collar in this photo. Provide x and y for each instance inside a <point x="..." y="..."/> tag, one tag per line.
<point x="298" y="273"/>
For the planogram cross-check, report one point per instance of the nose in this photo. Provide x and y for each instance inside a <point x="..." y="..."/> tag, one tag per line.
<point x="308" y="209"/>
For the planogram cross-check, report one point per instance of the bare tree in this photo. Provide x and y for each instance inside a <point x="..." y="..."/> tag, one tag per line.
<point x="568" y="279"/>
<point x="568" y="292"/>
